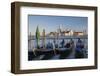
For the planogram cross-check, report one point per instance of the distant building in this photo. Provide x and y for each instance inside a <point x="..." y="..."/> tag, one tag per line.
<point x="78" y="33"/>
<point x="67" y="32"/>
<point x="51" y="34"/>
<point x="71" y="32"/>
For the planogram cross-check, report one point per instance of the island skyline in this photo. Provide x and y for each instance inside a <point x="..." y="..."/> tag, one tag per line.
<point x="52" y="23"/>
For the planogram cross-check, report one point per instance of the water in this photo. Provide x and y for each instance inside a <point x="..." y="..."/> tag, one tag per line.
<point x="32" y="43"/>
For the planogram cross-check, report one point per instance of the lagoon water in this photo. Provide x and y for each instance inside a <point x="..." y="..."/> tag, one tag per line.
<point x="32" y="43"/>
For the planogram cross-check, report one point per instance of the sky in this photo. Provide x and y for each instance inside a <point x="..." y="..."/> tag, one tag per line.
<point x="52" y="23"/>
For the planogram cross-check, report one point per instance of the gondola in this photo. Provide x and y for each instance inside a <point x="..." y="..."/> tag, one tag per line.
<point x="49" y="53"/>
